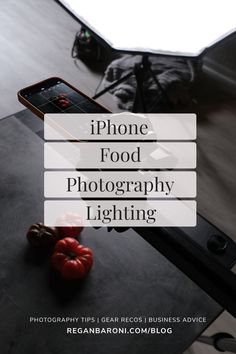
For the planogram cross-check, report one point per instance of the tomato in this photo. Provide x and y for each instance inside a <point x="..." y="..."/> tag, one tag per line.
<point x="42" y="237"/>
<point x="71" y="259"/>
<point x="72" y="225"/>
<point x="69" y="231"/>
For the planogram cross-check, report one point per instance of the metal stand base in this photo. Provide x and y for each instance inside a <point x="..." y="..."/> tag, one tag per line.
<point x="222" y="342"/>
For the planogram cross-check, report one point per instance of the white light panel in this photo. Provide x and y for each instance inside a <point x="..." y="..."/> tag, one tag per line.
<point x="182" y="27"/>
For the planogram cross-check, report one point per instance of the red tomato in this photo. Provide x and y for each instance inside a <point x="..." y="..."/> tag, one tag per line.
<point x="69" y="231"/>
<point x="72" y="225"/>
<point x="71" y="259"/>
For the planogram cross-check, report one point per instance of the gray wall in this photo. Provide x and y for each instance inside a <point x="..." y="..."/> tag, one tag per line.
<point x="219" y="62"/>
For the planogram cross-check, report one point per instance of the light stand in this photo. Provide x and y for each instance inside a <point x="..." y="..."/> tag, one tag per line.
<point x="140" y="71"/>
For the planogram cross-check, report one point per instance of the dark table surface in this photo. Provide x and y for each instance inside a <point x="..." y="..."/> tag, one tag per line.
<point x="129" y="277"/>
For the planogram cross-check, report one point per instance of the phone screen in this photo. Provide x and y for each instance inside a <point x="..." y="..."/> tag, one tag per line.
<point x="57" y="97"/>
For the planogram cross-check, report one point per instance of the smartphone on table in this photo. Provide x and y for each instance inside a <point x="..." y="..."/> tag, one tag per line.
<point x="55" y="95"/>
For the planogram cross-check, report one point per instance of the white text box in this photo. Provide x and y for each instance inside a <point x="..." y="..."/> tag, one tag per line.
<point x="120" y="126"/>
<point x="128" y="184"/>
<point x="129" y="155"/>
<point x="131" y="213"/>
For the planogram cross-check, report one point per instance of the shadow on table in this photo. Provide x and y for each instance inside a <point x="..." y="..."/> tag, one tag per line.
<point x="65" y="291"/>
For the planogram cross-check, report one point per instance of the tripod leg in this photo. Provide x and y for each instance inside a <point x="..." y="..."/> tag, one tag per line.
<point x="139" y="101"/>
<point x="162" y="90"/>
<point x="114" y="84"/>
